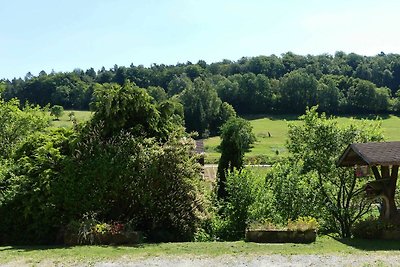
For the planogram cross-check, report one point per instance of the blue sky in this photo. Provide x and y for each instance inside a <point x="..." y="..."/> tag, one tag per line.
<point x="67" y="34"/>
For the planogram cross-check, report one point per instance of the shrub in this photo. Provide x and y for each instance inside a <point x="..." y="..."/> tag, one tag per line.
<point x="30" y="210"/>
<point x="301" y="224"/>
<point x="125" y="178"/>
<point x="247" y="200"/>
<point x="372" y="228"/>
<point x="294" y="194"/>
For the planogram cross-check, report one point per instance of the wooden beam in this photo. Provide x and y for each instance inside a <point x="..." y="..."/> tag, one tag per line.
<point x="376" y="172"/>
<point x="395" y="171"/>
<point x="385" y="172"/>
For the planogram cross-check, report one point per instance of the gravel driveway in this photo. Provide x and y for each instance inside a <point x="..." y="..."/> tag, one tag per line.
<point x="370" y="259"/>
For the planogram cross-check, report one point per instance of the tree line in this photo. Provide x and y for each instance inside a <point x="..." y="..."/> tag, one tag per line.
<point x="339" y="83"/>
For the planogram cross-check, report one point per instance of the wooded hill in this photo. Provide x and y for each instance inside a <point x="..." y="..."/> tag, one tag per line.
<point x="340" y="83"/>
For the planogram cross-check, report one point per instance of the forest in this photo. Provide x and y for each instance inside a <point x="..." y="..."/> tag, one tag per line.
<point x="340" y="84"/>
<point x="132" y="166"/>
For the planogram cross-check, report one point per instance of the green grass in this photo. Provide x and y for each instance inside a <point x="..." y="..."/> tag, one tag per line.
<point x="91" y="254"/>
<point x="64" y="121"/>
<point x="277" y="126"/>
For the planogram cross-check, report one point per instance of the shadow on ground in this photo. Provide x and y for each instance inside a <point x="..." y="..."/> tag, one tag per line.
<point x="371" y="244"/>
<point x="43" y="248"/>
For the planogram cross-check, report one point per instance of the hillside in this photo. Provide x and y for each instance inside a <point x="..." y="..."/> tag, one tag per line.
<point x="269" y="148"/>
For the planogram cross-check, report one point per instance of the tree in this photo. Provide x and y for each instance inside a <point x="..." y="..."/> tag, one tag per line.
<point x="237" y="136"/>
<point x="318" y="143"/>
<point x="57" y="111"/>
<point x="361" y="96"/>
<point x="18" y="123"/>
<point x="329" y="97"/>
<point x="298" y="90"/>
<point x="201" y="104"/>
<point x="130" y="108"/>
<point x="157" y="93"/>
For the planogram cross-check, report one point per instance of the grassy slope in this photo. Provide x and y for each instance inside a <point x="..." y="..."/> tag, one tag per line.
<point x="277" y="127"/>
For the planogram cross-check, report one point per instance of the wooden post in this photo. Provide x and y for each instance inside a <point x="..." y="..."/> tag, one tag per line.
<point x="389" y="209"/>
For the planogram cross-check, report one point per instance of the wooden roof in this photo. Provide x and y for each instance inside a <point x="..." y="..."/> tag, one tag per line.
<point x="374" y="153"/>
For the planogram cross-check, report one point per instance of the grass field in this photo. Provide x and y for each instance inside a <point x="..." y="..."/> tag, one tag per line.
<point x="88" y="255"/>
<point x="268" y="146"/>
<point x="277" y="127"/>
<point x="64" y="120"/>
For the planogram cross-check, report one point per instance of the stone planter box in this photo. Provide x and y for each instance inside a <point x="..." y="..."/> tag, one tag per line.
<point x="281" y="236"/>
<point x="106" y="239"/>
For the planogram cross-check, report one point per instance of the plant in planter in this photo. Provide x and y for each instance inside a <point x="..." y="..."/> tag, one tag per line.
<point x="91" y="231"/>
<point x="302" y="230"/>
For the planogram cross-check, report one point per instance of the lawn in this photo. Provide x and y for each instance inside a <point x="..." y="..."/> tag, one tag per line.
<point x="272" y="145"/>
<point x="64" y="121"/>
<point x="84" y="255"/>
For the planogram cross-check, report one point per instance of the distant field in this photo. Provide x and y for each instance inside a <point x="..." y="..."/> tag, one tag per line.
<point x="277" y="127"/>
<point x="266" y="146"/>
<point x="81" y="116"/>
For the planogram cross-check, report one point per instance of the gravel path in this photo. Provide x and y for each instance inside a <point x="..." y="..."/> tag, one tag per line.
<point x="373" y="259"/>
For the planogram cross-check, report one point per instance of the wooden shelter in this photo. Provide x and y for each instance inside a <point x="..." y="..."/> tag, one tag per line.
<point x="386" y="156"/>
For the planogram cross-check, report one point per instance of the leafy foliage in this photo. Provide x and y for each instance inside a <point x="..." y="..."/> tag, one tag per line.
<point x="318" y="143"/>
<point x="248" y="200"/>
<point x="57" y="111"/>
<point x="17" y="123"/>
<point x="294" y="193"/>
<point x="29" y="209"/>
<point x="237" y="136"/>
<point x="133" y="179"/>
<point x="130" y="108"/>
<point x="372" y="228"/>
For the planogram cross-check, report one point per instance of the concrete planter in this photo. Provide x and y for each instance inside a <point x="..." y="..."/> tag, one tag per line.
<point x="281" y="236"/>
<point x="106" y="239"/>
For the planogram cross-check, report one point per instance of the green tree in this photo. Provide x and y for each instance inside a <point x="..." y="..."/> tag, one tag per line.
<point x="57" y="111"/>
<point x="318" y="143"/>
<point x="201" y="105"/>
<point x="361" y="96"/>
<point x="329" y="97"/>
<point x="236" y="139"/>
<point x="18" y="123"/>
<point x="130" y="108"/>
<point x="157" y="93"/>
<point x="297" y="91"/>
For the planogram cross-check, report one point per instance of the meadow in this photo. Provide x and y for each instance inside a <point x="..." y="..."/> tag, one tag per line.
<point x="270" y="130"/>
<point x="271" y="133"/>
<point x="64" y="120"/>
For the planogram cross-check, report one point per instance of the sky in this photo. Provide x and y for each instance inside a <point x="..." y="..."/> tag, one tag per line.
<point x="63" y="35"/>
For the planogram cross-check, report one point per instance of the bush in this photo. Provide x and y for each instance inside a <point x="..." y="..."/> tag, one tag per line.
<point x="125" y="178"/>
<point x="29" y="209"/>
<point x="294" y="194"/>
<point x="372" y="228"/>
<point x="247" y="200"/>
